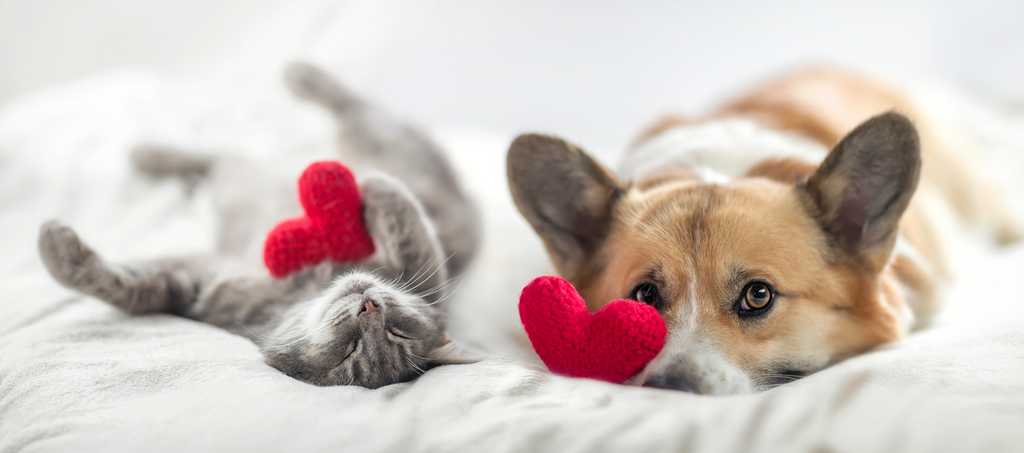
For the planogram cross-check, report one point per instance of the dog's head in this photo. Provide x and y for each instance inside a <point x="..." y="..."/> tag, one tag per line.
<point x="761" y="279"/>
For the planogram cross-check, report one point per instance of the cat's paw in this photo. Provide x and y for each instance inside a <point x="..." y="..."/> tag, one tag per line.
<point x="163" y="161"/>
<point x="402" y="232"/>
<point x="309" y="82"/>
<point x="387" y="196"/>
<point x="64" y="254"/>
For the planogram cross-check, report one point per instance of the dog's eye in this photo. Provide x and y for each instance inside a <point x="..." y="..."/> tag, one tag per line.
<point x="756" y="299"/>
<point x="647" y="293"/>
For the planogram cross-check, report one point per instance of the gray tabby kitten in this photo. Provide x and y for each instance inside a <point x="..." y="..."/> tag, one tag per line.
<point x="369" y="323"/>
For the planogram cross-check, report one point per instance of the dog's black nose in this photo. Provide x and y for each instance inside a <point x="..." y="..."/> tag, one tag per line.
<point x="671" y="381"/>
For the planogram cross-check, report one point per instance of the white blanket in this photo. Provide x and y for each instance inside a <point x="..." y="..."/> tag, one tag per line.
<point x="77" y="375"/>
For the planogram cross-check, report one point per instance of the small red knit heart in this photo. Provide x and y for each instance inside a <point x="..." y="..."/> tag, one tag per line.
<point x="613" y="344"/>
<point x="332" y="227"/>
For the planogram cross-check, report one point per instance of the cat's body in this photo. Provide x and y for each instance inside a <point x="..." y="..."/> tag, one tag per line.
<point x="371" y="323"/>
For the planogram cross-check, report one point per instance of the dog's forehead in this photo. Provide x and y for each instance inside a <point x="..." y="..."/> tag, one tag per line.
<point x="707" y="237"/>
<point x="691" y="215"/>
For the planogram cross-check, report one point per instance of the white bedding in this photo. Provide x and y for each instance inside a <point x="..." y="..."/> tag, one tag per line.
<point x="78" y="375"/>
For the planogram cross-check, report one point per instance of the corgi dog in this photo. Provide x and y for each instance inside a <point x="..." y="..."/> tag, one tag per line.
<point x="794" y="227"/>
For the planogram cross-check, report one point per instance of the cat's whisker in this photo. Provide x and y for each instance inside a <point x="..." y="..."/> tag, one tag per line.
<point x="451" y="290"/>
<point x="415" y="281"/>
<point x="439" y="301"/>
<point x="414" y="365"/>
<point x="440" y="288"/>
<point x="396" y="281"/>
<point x="424" y="267"/>
<point x="437" y="268"/>
<point x="419" y="356"/>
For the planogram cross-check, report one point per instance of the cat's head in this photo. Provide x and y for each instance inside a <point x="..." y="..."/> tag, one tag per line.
<point x="362" y="331"/>
<point x="383" y="320"/>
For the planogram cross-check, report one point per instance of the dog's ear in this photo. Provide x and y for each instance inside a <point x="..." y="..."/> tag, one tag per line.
<point x="859" y="193"/>
<point x="566" y="195"/>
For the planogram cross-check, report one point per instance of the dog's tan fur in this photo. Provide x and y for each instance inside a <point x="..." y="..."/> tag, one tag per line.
<point x="823" y="103"/>
<point x="704" y="241"/>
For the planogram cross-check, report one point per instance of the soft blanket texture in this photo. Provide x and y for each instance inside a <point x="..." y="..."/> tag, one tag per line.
<point x="77" y="375"/>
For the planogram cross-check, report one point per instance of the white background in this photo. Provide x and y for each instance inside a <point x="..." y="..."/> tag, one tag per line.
<point x="591" y="70"/>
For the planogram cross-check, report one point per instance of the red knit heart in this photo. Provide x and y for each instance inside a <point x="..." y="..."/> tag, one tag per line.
<point x="613" y="344"/>
<point x="332" y="227"/>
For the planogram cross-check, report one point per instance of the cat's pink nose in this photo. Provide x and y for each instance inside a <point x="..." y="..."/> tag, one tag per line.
<point x="369" y="307"/>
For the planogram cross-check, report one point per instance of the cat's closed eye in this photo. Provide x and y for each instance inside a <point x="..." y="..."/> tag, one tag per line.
<point x="409" y="323"/>
<point x="353" y="345"/>
<point x="395" y="332"/>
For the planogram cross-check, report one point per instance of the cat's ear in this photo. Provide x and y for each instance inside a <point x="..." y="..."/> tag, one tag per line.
<point x="566" y="195"/>
<point x="859" y="192"/>
<point x="402" y="233"/>
<point x="451" y="353"/>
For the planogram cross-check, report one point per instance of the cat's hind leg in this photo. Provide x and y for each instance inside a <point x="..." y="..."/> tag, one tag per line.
<point x="158" y="161"/>
<point x="150" y="287"/>
<point x="247" y="195"/>
<point x="309" y="82"/>
<point x="375" y="138"/>
<point x="372" y="137"/>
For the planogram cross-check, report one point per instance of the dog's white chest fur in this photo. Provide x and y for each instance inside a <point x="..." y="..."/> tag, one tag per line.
<point x="717" y="151"/>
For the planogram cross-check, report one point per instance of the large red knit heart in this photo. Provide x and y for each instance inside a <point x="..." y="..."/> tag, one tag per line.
<point x="332" y="227"/>
<point x="613" y="344"/>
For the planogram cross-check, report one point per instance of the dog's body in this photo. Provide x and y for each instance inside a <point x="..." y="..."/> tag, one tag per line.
<point x="767" y="262"/>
